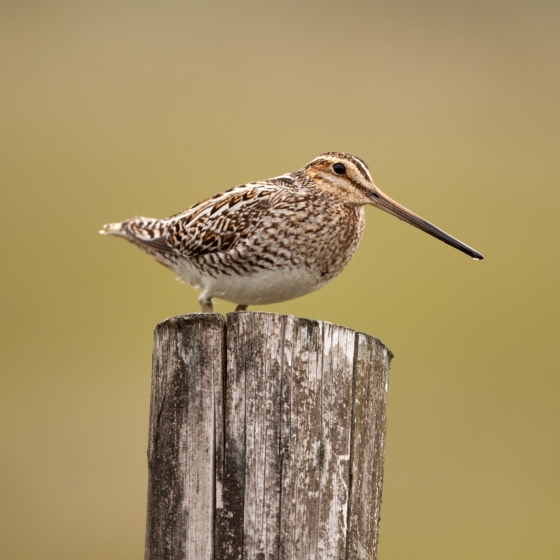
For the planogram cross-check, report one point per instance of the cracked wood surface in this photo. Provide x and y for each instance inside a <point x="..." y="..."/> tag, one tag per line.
<point x="266" y="439"/>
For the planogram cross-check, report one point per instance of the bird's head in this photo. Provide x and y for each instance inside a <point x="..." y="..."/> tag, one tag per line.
<point x="348" y="178"/>
<point x="344" y="176"/>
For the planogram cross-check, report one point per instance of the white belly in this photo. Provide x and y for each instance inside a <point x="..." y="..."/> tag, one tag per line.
<point x="267" y="286"/>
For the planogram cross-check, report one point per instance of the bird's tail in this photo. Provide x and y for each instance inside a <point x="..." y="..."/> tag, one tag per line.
<point x="113" y="229"/>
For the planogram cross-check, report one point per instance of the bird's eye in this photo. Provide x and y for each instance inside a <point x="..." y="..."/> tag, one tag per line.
<point x="339" y="168"/>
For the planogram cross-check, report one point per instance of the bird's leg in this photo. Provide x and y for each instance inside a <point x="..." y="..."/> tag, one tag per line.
<point x="206" y="305"/>
<point x="241" y="307"/>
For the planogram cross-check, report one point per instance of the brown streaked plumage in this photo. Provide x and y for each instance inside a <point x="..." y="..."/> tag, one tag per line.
<point x="273" y="240"/>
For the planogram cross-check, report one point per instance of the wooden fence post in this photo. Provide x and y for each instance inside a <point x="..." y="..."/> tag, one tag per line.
<point x="267" y="437"/>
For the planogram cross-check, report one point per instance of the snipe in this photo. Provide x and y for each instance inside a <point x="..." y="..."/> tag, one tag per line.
<point x="272" y="240"/>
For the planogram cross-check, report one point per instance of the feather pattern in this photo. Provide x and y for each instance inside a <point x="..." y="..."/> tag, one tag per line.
<point x="260" y="242"/>
<point x="211" y="226"/>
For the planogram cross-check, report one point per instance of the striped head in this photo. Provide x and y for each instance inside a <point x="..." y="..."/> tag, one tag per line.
<point x="343" y="175"/>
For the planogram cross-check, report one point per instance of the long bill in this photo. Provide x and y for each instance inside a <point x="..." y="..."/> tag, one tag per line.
<point x="383" y="202"/>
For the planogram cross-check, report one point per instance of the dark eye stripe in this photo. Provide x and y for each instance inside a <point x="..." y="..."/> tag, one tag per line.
<point x="361" y="167"/>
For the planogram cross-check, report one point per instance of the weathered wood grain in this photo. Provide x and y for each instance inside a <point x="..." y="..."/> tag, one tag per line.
<point x="371" y="379"/>
<point x="254" y="345"/>
<point x="266" y="439"/>
<point x="336" y="416"/>
<point x="186" y="392"/>
<point x="301" y="434"/>
<point x="317" y="405"/>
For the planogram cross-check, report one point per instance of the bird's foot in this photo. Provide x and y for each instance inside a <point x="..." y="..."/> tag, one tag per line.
<point x="241" y="307"/>
<point x="206" y="305"/>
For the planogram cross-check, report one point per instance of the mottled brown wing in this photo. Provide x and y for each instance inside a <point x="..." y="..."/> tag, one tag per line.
<point x="216" y="224"/>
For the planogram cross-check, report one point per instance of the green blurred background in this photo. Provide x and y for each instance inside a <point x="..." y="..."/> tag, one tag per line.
<point x="112" y="109"/>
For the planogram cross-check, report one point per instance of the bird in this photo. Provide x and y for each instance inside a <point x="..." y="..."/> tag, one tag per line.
<point x="274" y="240"/>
